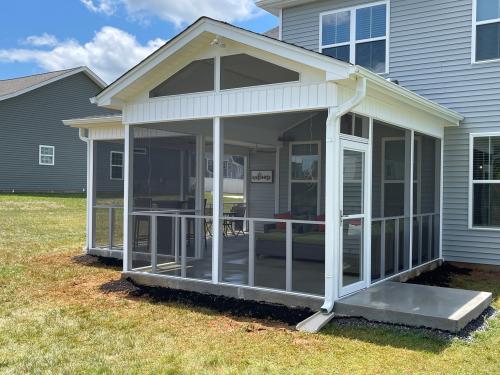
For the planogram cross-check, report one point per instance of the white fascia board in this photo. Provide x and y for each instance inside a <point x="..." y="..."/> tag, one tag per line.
<point x="335" y="69"/>
<point x="70" y="73"/>
<point x="273" y="6"/>
<point x="411" y="98"/>
<point x="94" y="122"/>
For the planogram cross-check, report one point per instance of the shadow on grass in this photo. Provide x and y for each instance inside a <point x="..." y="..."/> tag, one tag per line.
<point x="98" y="262"/>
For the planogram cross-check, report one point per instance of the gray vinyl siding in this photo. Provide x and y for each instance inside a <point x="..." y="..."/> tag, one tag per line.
<point x="35" y="118"/>
<point x="430" y="53"/>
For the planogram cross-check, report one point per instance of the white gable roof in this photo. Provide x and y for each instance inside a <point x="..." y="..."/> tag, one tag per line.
<point x="334" y="68"/>
<point x="206" y="29"/>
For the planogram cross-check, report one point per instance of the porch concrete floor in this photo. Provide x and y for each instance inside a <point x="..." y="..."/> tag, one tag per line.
<point x="416" y="305"/>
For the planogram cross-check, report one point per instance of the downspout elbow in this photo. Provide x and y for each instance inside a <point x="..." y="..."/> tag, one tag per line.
<point x="82" y="136"/>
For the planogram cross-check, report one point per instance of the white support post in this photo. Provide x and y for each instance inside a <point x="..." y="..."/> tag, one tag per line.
<point x="200" y="196"/>
<point x="182" y="176"/>
<point x="90" y="243"/>
<point x="289" y="255"/>
<point x="332" y="211"/>
<point x="382" y="249"/>
<point x="154" y="243"/>
<point x="251" y="253"/>
<point x="441" y="190"/>
<point x="183" y="246"/>
<point x="111" y="224"/>
<point x="277" y="182"/>
<point x="396" y="245"/>
<point x="409" y="159"/>
<point x="218" y="198"/>
<point x="128" y="199"/>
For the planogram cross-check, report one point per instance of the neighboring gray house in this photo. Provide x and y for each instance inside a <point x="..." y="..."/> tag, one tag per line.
<point x="40" y="154"/>
<point x="371" y="132"/>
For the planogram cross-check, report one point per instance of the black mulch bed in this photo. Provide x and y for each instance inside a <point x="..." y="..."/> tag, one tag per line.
<point x="221" y="304"/>
<point x="441" y="276"/>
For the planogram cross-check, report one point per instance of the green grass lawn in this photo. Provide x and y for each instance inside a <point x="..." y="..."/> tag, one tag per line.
<point x="55" y="318"/>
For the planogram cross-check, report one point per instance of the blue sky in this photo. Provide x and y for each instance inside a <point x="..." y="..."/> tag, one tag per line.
<point x="109" y="36"/>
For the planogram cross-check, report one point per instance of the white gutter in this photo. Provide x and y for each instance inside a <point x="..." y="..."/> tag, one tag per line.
<point x="81" y="135"/>
<point x="332" y="206"/>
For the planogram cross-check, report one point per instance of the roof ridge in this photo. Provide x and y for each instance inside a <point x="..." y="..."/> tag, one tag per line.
<point x="40" y="74"/>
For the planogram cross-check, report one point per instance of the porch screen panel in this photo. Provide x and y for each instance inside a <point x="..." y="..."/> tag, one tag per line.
<point x="243" y="70"/>
<point x="426" y="202"/>
<point x="198" y="76"/>
<point x="171" y="235"/>
<point x="108" y="172"/>
<point x="391" y="160"/>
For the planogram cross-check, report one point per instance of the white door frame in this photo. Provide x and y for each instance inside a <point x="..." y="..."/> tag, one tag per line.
<point x="348" y="144"/>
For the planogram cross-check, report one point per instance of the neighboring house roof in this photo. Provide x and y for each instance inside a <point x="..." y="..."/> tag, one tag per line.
<point x="10" y="88"/>
<point x="273" y="33"/>
<point x="273" y="6"/>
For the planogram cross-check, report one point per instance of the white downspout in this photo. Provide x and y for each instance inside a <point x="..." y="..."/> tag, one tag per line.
<point x="332" y="202"/>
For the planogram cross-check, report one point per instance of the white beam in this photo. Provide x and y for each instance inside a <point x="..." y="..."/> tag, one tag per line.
<point x="128" y="198"/>
<point x="218" y="197"/>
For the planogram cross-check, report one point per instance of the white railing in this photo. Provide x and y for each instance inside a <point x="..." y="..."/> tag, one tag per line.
<point x="412" y="252"/>
<point x="251" y="227"/>
<point x="111" y="245"/>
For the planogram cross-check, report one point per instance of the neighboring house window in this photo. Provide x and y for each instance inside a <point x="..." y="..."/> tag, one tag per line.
<point x="486" y="30"/>
<point x="116" y="165"/>
<point x="305" y="172"/>
<point x="46" y="155"/>
<point x="358" y="35"/>
<point x="485" y="184"/>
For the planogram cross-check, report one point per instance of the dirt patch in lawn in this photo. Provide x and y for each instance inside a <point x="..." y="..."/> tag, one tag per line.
<point x="441" y="276"/>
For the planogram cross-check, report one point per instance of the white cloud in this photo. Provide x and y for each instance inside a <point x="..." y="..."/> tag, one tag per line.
<point x="179" y="12"/>
<point x="109" y="54"/>
<point x="41" y="40"/>
<point x="107" y="7"/>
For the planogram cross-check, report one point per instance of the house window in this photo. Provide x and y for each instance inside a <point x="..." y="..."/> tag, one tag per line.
<point x="485" y="184"/>
<point x="116" y="165"/>
<point x="46" y="155"/>
<point x="486" y="30"/>
<point x="305" y="172"/>
<point x="358" y="35"/>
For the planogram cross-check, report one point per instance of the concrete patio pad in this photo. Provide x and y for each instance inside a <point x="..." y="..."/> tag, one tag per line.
<point x="416" y="305"/>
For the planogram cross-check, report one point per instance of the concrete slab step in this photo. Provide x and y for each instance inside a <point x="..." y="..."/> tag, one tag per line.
<point x="416" y="305"/>
<point x="315" y="322"/>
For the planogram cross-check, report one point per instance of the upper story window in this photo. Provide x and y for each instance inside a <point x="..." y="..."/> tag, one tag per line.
<point x="486" y="30"/>
<point x="46" y="155"/>
<point x="358" y="35"/>
<point x="485" y="182"/>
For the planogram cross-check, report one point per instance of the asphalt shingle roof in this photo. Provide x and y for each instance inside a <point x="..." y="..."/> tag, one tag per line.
<point x="14" y="85"/>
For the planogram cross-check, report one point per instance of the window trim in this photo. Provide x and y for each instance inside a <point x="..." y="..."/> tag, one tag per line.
<point x="316" y="181"/>
<point x="353" y="42"/>
<point x="40" y="155"/>
<point x="475" y="24"/>
<point x="111" y="165"/>
<point x="472" y="136"/>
